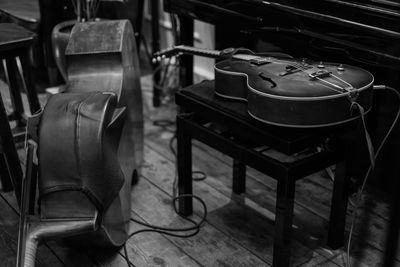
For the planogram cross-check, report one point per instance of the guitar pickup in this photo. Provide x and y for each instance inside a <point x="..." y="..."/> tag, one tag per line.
<point x="260" y="61"/>
<point x="320" y="74"/>
<point x="289" y="69"/>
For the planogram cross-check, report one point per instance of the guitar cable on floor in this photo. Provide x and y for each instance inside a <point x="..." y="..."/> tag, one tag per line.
<point x="195" y="228"/>
<point x="201" y="176"/>
<point x="373" y="157"/>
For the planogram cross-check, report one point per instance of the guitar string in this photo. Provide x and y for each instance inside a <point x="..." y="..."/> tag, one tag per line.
<point x="330" y="83"/>
<point x="367" y="175"/>
<point x="303" y="68"/>
<point x="298" y="66"/>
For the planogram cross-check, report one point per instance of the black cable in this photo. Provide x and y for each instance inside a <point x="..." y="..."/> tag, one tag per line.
<point x="359" y="195"/>
<point x="198" y="176"/>
<point x="175" y="31"/>
<point x="171" y="145"/>
<point x="130" y="264"/>
<point x="164" y="74"/>
<point x="165" y="68"/>
<point x="164" y="124"/>
<point x="167" y="230"/>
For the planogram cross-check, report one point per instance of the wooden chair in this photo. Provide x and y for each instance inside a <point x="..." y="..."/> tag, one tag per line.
<point x="39" y="16"/>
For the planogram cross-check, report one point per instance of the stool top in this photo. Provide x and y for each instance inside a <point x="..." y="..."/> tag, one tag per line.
<point x="201" y="99"/>
<point x="13" y="36"/>
<point x="26" y="10"/>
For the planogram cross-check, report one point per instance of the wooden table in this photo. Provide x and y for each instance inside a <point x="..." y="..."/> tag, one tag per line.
<point x="15" y="42"/>
<point x="239" y="140"/>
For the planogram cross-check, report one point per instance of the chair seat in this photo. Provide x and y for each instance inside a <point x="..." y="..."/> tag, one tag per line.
<point x="26" y="10"/>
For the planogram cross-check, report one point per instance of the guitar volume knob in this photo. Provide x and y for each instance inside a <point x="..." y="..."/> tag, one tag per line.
<point x="340" y="68"/>
<point x="321" y="65"/>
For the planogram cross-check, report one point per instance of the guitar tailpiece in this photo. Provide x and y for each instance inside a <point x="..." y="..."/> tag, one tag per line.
<point x="353" y="95"/>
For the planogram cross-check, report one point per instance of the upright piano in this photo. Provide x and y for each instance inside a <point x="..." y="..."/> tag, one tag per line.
<point x="364" y="33"/>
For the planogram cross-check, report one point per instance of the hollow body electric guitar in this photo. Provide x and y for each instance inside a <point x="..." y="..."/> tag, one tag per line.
<point x="288" y="92"/>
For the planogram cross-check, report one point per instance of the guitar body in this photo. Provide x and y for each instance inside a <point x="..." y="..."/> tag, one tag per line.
<point x="293" y="100"/>
<point x="287" y="92"/>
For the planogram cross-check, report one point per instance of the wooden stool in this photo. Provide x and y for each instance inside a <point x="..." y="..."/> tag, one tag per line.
<point x="239" y="140"/>
<point x="38" y="16"/>
<point x="15" y="42"/>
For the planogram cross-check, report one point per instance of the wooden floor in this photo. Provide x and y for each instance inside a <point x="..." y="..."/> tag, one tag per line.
<point x="238" y="230"/>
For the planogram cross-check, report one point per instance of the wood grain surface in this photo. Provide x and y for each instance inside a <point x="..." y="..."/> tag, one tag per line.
<point x="238" y="230"/>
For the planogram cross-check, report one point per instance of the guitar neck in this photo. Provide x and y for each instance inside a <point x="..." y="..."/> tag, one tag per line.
<point x="198" y="51"/>
<point x="210" y="53"/>
<point x="183" y="49"/>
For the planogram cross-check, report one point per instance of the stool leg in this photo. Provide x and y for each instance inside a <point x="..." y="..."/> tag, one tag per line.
<point x="184" y="165"/>
<point x="337" y="220"/>
<point x="239" y="177"/>
<point x="25" y="72"/>
<point x="10" y="152"/>
<point x="283" y="222"/>
<point x="9" y="69"/>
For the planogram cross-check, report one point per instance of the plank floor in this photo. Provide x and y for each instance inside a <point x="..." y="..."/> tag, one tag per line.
<point x="239" y="228"/>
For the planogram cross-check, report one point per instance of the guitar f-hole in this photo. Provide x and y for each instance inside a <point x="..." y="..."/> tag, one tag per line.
<point x="268" y="79"/>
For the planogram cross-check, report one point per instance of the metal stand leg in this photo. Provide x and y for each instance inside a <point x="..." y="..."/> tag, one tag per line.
<point x="239" y="177"/>
<point x="337" y="220"/>
<point x="283" y="222"/>
<point x="138" y="23"/>
<point x="155" y="32"/>
<point x="184" y="165"/>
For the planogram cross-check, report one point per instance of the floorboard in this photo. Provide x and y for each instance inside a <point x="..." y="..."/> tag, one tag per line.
<point x="238" y="230"/>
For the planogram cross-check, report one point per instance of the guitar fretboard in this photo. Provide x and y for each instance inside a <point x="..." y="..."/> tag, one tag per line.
<point x="197" y="51"/>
